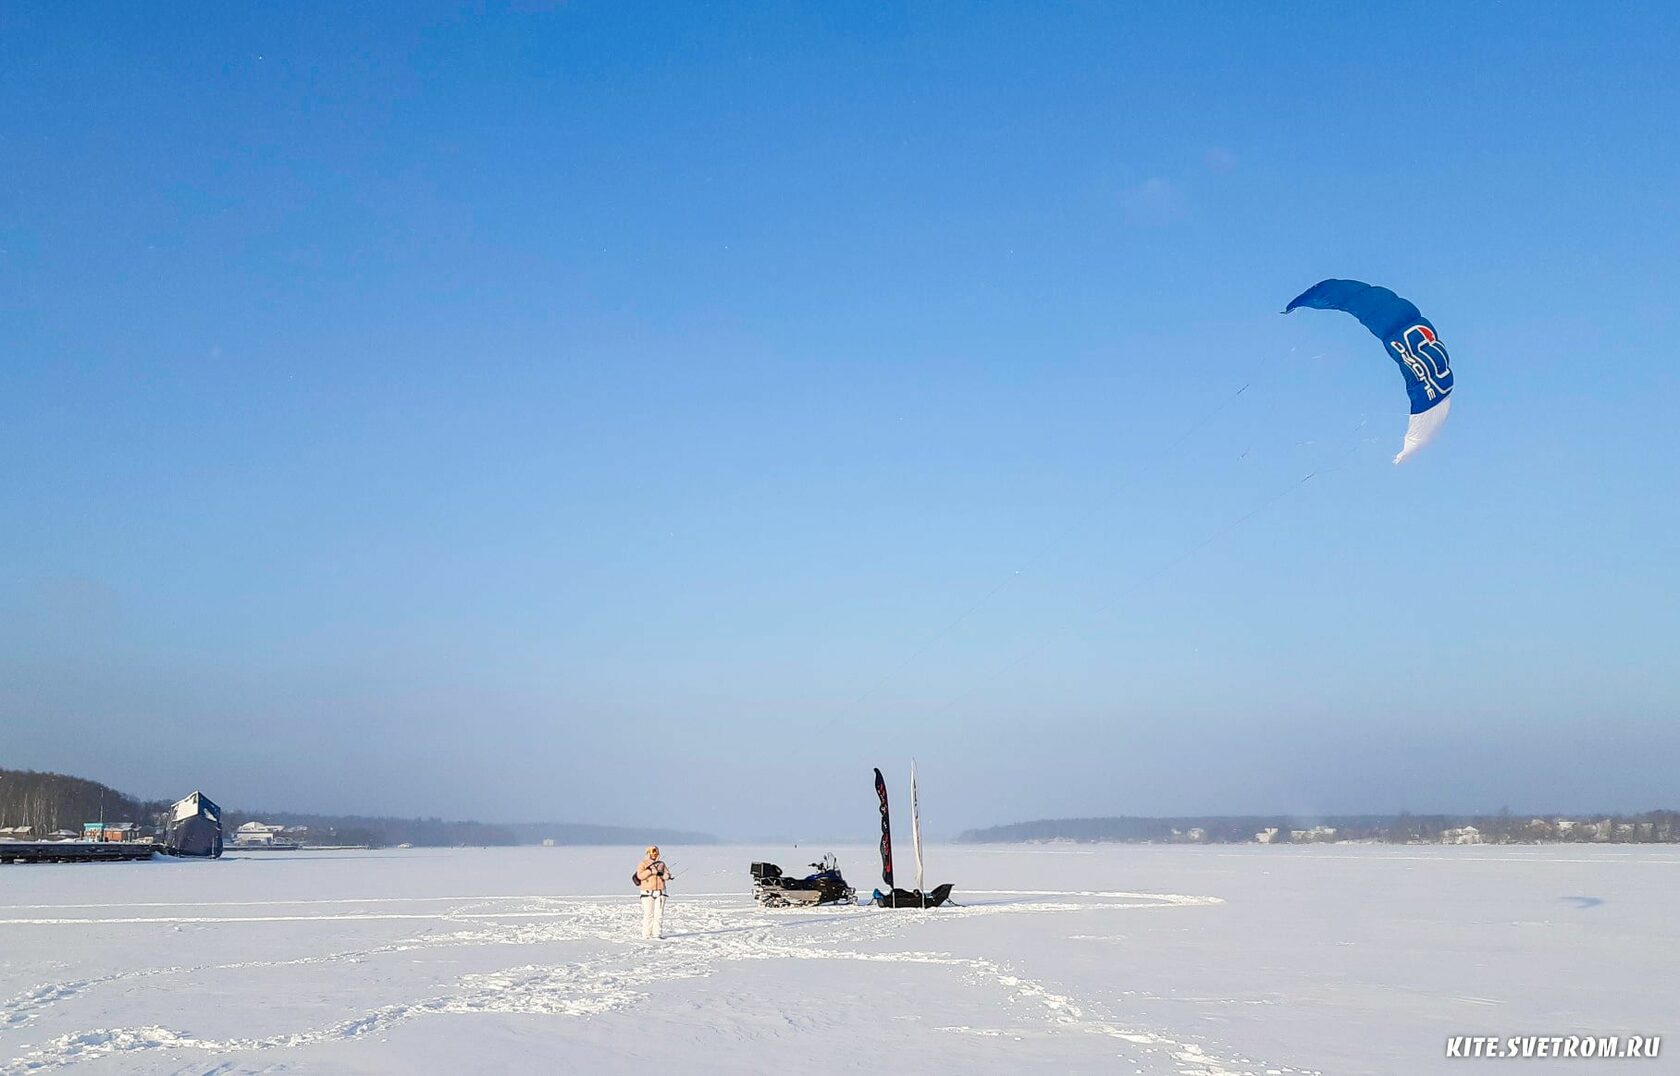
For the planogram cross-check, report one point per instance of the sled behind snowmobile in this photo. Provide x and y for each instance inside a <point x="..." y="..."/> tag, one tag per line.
<point x="912" y="898"/>
<point x="904" y="898"/>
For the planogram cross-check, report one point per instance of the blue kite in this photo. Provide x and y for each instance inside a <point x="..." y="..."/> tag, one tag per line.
<point x="1409" y="339"/>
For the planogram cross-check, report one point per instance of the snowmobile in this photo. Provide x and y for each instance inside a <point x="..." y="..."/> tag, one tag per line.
<point x="773" y="889"/>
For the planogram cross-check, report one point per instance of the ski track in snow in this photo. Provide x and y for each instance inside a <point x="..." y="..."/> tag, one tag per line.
<point x="716" y="932"/>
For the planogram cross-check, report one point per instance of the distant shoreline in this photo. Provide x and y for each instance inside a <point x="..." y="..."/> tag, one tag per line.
<point x="1650" y="827"/>
<point x="37" y="804"/>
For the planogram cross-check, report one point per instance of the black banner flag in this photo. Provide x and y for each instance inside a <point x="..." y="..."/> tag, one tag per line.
<point x="886" y="831"/>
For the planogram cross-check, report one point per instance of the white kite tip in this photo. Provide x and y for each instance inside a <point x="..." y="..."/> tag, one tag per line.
<point x="1422" y="428"/>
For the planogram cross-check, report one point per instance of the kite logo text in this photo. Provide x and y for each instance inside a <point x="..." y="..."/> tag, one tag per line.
<point x="1424" y="354"/>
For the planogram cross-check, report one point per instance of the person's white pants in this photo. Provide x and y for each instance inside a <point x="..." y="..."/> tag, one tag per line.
<point x="653" y="915"/>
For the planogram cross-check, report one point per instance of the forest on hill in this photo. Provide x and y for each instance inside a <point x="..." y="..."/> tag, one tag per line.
<point x="48" y="802"/>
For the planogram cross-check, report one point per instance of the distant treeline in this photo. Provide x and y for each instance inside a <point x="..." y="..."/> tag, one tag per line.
<point x="374" y="831"/>
<point x="47" y="802"/>
<point x="1217" y="830"/>
<point x="575" y="833"/>
<point x="380" y="832"/>
<point x="1501" y="828"/>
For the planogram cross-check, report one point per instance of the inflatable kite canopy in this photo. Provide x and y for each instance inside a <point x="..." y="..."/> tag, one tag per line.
<point x="1408" y="338"/>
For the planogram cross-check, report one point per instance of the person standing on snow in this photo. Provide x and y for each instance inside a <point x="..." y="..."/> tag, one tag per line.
<point x="651" y="875"/>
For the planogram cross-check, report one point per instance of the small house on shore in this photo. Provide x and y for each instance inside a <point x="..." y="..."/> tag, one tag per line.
<point x="110" y="831"/>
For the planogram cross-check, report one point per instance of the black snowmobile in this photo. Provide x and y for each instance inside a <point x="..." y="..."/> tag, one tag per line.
<point x="773" y="889"/>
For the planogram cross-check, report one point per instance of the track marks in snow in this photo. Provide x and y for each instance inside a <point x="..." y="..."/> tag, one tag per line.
<point x="1154" y="900"/>
<point x="717" y="934"/>
<point x="526" y="907"/>
<point x="586" y="922"/>
<point x="22" y="1009"/>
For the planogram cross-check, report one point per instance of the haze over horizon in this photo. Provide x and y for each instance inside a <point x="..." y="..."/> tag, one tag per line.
<point x="585" y="414"/>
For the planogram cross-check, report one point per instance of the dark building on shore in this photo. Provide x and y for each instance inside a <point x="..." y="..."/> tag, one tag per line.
<point x="193" y="827"/>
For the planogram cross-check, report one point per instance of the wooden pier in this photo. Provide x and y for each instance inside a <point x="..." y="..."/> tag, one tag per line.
<point x="75" y="851"/>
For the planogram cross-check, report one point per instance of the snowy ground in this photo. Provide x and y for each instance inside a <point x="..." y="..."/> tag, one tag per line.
<point x="1350" y="959"/>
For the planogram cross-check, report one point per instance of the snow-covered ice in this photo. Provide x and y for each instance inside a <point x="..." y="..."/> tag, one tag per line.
<point x="1199" y="961"/>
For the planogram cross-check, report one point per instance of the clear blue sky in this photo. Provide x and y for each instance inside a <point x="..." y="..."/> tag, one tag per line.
<point x="603" y="412"/>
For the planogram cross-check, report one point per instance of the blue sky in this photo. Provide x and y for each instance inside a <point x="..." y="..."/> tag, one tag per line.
<point x="609" y="413"/>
